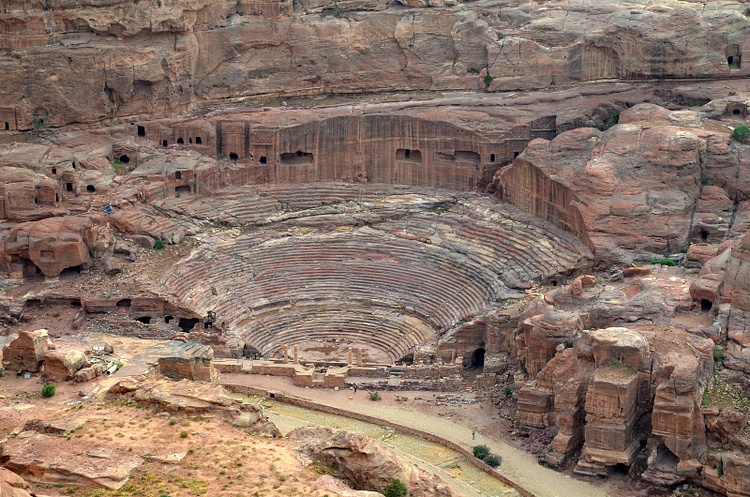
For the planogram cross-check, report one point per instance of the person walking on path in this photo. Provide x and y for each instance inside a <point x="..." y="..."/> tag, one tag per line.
<point x="356" y="386"/>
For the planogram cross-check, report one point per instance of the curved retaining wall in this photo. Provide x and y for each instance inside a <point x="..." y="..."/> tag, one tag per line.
<point x="308" y="404"/>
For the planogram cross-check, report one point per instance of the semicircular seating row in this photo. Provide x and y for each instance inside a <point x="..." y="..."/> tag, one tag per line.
<point x="275" y="289"/>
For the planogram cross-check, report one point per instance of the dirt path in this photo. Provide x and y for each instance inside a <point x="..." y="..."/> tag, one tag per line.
<point x="517" y="466"/>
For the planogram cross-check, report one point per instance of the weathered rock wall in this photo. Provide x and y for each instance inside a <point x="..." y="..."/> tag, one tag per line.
<point x="82" y="63"/>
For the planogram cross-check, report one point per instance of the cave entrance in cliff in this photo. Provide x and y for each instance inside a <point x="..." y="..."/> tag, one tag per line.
<point x="734" y="57"/>
<point x="233" y="156"/>
<point x="68" y="187"/>
<point x="182" y="189"/>
<point x="90" y="188"/>
<point x="187" y="324"/>
<point x="706" y="305"/>
<point x="144" y="319"/>
<point x="168" y="319"/>
<point x="180" y="141"/>
<point x="7" y="126"/>
<point x="124" y="159"/>
<point x="31" y="270"/>
<point x="123" y="304"/>
<point x="70" y="272"/>
<point x="477" y="359"/>
<point x="141" y="131"/>
<point x="704" y="235"/>
<point x="198" y="140"/>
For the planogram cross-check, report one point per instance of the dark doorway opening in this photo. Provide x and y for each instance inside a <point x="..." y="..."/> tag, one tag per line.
<point x="180" y="141"/>
<point x="164" y="143"/>
<point x="70" y="272"/>
<point x="144" y="319"/>
<point x="90" y="188"/>
<point x="492" y="157"/>
<point x="736" y="112"/>
<point x="54" y="170"/>
<point x="704" y="235"/>
<point x="182" y="189"/>
<point x="188" y="324"/>
<point x="68" y="187"/>
<point x="141" y="131"/>
<point x="75" y="303"/>
<point x="198" y="140"/>
<point x="168" y="319"/>
<point x="516" y="154"/>
<point x="123" y="304"/>
<point x="250" y="352"/>
<point x="706" y="305"/>
<point x="7" y="125"/>
<point x="233" y="156"/>
<point x="177" y="175"/>
<point x="124" y="159"/>
<point x="477" y="358"/>
<point x="263" y="159"/>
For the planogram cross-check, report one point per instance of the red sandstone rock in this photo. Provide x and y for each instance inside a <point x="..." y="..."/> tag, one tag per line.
<point x="54" y="244"/>
<point x="12" y="485"/>
<point x="63" y="364"/>
<point x="88" y="374"/>
<point x="605" y="187"/>
<point x="26" y="353"/>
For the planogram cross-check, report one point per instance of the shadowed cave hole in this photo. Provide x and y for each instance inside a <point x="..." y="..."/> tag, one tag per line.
<point x="188" y="324"/>
<point x="477" y="358"/>
<point x="168" y="319"/>
<point x="123" y="303"/>
<point x="144" y="319"/>
<point x="141" y="131"/>
<point x="233" y="156"/>
<point x="90" y="188"/>
<point x="704" y="235"/>
<point x="124" y="159"/>
<point x="198" y="140"/>
<point x="706" y="305"/>
<point x="178" y="175"/>
<point x="180" y="141"/>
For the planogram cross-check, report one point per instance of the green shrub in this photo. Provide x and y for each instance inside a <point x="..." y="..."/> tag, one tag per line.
<point x="49" y="390"/>
<point x="741" y="133"/>
<point x="481" y="451"/>
<point x="2" y="371"/>
<point x="39" y="123"/>
<point x="492" y="460"/>
<point x="665" y="261"/>
<point x="507" y="391"/>
<point x="159" y="245"/>
<point x="374" y="395"/>
<point x="487" y="80"/>
<point x="719" y="353"/>
<point x="614" y="118"/>
<point x="395" y="489"/>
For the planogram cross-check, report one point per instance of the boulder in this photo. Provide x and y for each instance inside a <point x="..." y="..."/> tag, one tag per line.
<point x="365" y="463"/>
<point x="12" y="485"/>
<point x="88" y="374"/>
<point x="111" y="265"/>
<point x="192" y="361"/>
<point x="27" y="352"/>
<point x="63" y="364"/>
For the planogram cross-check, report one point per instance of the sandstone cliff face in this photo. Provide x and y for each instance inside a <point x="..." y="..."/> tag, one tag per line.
<point x="610" y="188"/>
<point x="90" y="62"/>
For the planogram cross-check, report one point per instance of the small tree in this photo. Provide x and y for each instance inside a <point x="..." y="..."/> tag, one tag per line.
<point x="159" y="244"/>
<point x="395" y="489"/>
<point x="48" y="390"/>
<point x="741" y="133"/>
<point x="492" y="460"/>
<point x="481" y="451"/>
